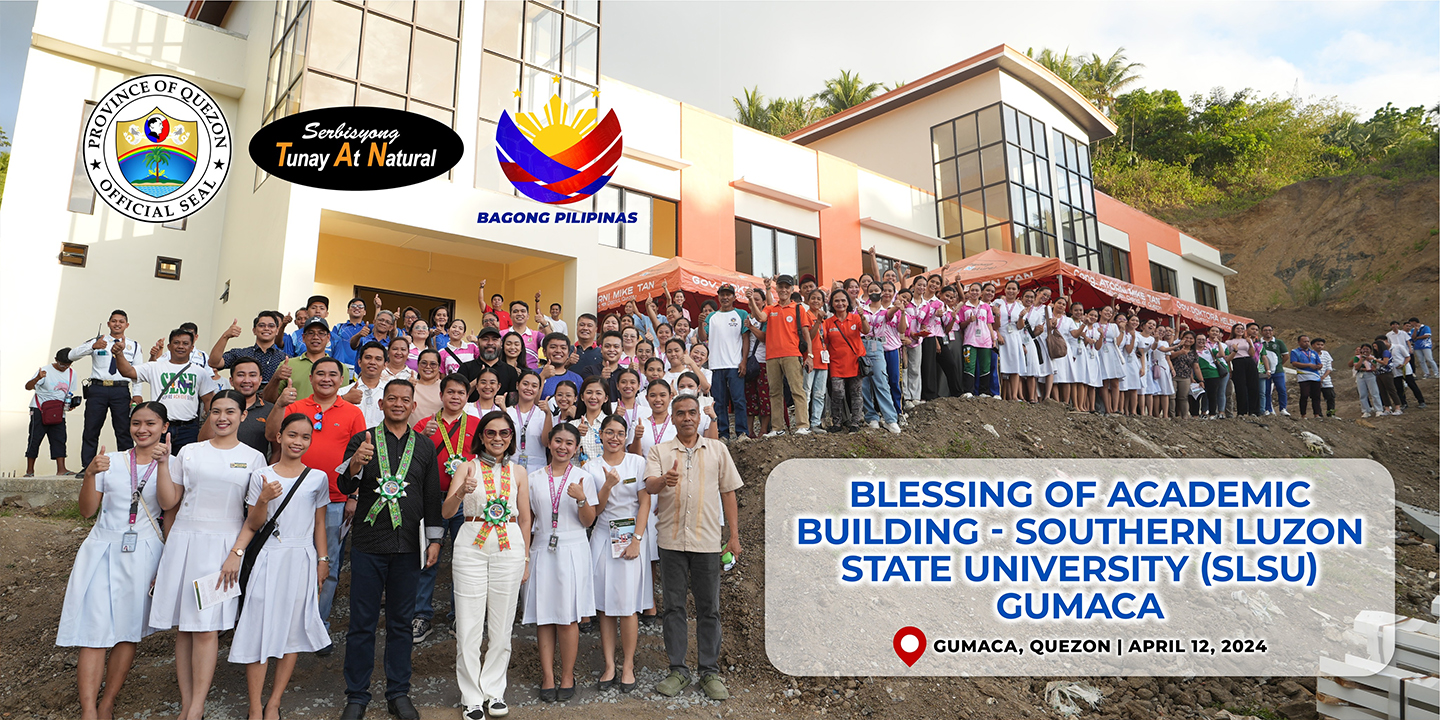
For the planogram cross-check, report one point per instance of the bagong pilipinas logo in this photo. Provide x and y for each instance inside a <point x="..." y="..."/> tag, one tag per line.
<point x="157" y="148"/>
<point x="564" y="159"/>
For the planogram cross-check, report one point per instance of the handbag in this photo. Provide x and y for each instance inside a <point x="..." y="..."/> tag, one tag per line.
<point x="257" y="541"/>
<point x="862" y="363"/>
<point x="1055" y="344"/>
<point x="52" y="412"/>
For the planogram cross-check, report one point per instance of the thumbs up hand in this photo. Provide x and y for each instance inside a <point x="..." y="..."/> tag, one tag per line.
<point x="161" y="452"/>
<point x="289" y="396"/>
<point x="611" y="478"/>
<point x="234" y="330"/>
<point x="363" y="453"/>
<point x="101" y="463"/>
<point x="99" y="344"/>
<point x="577" y="489"/>
<point x="672" y="476"/>
<point x="269" y="491"/>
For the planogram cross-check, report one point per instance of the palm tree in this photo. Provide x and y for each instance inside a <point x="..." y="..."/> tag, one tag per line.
<point x="846" y="91"/>
<point x="1107" y="78"/>
<point x="752" y="112"/>
<point x="1067" y="68"/>
<point x="156" y="160"/>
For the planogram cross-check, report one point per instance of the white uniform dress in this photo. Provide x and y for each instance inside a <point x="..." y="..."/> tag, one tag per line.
<point x="658" y="433"/>
<point x="206" y="525"/>
<point x="1068" y="368"/>
<point x="1111" y="366"/>
<point x="1144" y="382"/>
<point x="1130" y="379"/>
<point x="561" y="589"/>
<point x="1015" y="353"/>
<point x="622" y="587"/>
<point x="1162" y="382"/>
<point x="631" y="416"/>
<point x="107" y="600"/>
<point x="1094" y="374"/>
<point x="529" y="451"/>
<point x="282" y="602"/>
<point x="590" y="445"/>
<point x="1040" y="365"/>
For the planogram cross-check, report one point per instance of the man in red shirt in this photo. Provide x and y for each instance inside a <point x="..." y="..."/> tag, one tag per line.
<point x="453" y="432"/>
<point x="785" y="322"/>
<point x="334" y="422"/>
<point x="496" y="302"/>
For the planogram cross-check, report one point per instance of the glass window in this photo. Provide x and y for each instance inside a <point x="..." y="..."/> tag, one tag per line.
<point x="499" y="78"/>
<point x="335" y="46"/>
<point x="608" y="200"/>
<point x="950" y="216"/>
<point x="1042" y="174"/>
<point x="440" y="115"/>
<point x="1206" y="295"/>
<point x="587" y="9"/>
<point x="1038" y="128"/>
<point x="1162" y="279"/>
<point x="1012" y="162"/>
<point x="945" y="179"/>
<point x="82" y="193"/>
<point x="969" y="168"/>
<point x="998" y="237"/>
<point x="296" y="44"/>
<point x="1017" y="203"/>
<point x="637" y="234"/>
<point x="325" y="91"/>
<point x="965" y="137"/>
<point x="768" y="252"/>
<point x="996" y="204"/>
<point x="579" y="97"/>
<point x="1009" y="114"/>
<point x="542" y="37"/>
<point x="536" y="87"/>
<point x="762" y="251"/>
<point x="503" y="20"/>
<point x="442" y="16"/>
<point x="1032" y="209"/>
<point x="386" y="61"/>
<point x="974" y="243"/>
<point x="379" y="98"/>
<point x="432" y="75"/>
<point x="402" y="9"/>
<point x="942" y="141"/>
<point x="582" y="50"/>
<point x="989" y="120"/>
<point x="992" y="164"/>
<point x="787" y="261"/>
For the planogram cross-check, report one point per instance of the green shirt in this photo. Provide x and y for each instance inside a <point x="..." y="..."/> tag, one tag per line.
<point x="300" y="376"/>
<point x="1277" y="346"/>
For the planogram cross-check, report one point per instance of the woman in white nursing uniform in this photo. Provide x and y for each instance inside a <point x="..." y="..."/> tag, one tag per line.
<point x="205" y="485"/>
<point x="107" y="601"/>
<point x="490" y="560"/>
<point x="623" y="586"/>
<point x="560" y="591"/>
<point x="281" y="613"/>
<point x="532" y="422"/>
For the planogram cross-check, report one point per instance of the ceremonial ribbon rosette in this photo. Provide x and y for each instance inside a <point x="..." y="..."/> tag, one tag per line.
<point x="497" y="513"/>
<point x="391" y="486"/>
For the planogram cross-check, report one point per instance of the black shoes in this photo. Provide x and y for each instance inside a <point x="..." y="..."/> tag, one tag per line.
<point x="326" y="651"/>
<point x="626" y="687"/>
<point x="604" y="685"/>
<point x="548" y="695"/>
<point x="353" y="711"/>
<point x="402" y="708"/>
<point x="567" y="693"/>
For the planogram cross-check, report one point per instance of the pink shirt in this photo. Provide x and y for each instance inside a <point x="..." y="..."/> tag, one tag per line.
<point x="466" y="352"/>
<point x="531" y="338"/>
<point x="886" y="330"/>
<point x="977" y="329"/>
<point x="931" y="317"/>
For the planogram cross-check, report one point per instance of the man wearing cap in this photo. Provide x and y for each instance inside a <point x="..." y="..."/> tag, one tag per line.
<point x="726" y="331"/>
<point x="785" y="324"/>
<point x="489" y="357"/>
<point x="296" y="371"/>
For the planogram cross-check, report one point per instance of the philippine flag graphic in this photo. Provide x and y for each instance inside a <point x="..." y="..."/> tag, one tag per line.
<point x="564" y="158"/>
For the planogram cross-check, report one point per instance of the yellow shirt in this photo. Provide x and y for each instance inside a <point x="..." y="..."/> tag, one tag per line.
<point x="690" y="514"/>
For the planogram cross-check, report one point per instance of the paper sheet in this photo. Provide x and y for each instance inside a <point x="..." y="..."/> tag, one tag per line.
<point x="208" y="596"/>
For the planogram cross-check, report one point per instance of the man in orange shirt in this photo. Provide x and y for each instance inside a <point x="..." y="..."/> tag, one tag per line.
<point x="334" y="422"/>
<point x="787" y="326"/>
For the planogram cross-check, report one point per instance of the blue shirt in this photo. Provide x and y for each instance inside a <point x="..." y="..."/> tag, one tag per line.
<point x="554" y="381"/>
<point x="1420" y="344"/>
<point x="340" y="341"/>
<point x="269" y="359"/>
<point x="293" y="342"/>
<point x="1305" y="356"/>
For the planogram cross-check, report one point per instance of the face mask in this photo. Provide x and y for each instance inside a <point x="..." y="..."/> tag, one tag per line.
<point x="874" y="297"/>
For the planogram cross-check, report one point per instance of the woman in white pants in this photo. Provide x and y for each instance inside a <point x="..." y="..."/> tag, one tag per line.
<point x="490" y="562"/>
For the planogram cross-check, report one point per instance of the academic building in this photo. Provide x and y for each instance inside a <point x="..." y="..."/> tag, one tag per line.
<point x="988" y="154"/>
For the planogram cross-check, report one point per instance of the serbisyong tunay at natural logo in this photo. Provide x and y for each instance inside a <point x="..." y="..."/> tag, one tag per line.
<point x="156" y="148"/>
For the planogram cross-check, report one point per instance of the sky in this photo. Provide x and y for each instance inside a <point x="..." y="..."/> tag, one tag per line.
<point x="705" y="52"/>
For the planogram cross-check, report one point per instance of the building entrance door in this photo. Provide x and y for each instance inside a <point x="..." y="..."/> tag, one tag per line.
<point x="396" y="302"/>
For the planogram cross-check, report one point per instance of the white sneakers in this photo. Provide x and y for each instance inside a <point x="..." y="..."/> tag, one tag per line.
<point x="874" y="424"/>
<point x="1284" y="412"/>
<point x="967" y="396"/>
<point x="802" y="431"/>
<point x="894" y="428"/>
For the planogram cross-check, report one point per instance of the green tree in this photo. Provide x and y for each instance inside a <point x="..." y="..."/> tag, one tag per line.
<point x="1064" y="66"/>
<point x="752" y="112"/>
<point x="846" y="91"/>
<point x="157" y="160"/>
<point x="1104" y="79"/>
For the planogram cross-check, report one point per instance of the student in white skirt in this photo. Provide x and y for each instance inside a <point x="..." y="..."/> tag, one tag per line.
<point x="593" y="399"/>
<point x="1162" y="376"/>
<point x="532" y="422"/>
<point x="628" y="406"/>
<point x="1133" y="384"/>
<point x="652" y="429"/>
<point x="561" y="589"/>
<point x="1068" y="379"/>
<point x="623" y="584"/>
<point x="107" y="600"/>
<point x="1012" y="344"/>
<point x="1038" y="374"/>
<point x="1144" y="343"/>
<point x="205" y="485"/>
<point x="1112" y="366"/>
<point x="490" y="561"/>
<point x="1094" y="373"/>
<point x="281" y="614"/>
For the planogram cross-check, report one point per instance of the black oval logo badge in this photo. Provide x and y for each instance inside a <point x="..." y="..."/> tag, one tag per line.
<point x="356" y="148"/>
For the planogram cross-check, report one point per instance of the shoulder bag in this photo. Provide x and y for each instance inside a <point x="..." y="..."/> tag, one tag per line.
<point x="257" y="542"/>
<point x="862" y="363"/>
<point x="1054" y="343"/>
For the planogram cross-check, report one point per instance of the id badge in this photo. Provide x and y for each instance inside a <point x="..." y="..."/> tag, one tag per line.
<point x="825" y="356"/>
<point x="554" y="542"/>
<point x="129" y="541"/>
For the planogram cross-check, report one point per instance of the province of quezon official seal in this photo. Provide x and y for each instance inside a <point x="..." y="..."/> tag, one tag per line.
<point x="157" y="148"/>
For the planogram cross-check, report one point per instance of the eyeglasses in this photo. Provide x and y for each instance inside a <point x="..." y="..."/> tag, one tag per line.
<point x="318" y="418"/>
<point x="429" y="364"/>
<point x="613" y="433"/>
<point x="502" y="434"/>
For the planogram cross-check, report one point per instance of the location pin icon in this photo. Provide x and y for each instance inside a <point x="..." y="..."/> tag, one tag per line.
<point x="909" y="644"/>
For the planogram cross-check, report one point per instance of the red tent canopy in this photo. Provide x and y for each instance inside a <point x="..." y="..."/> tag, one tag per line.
<point x="692" y="276"/>
<point x="1086" y="286"/>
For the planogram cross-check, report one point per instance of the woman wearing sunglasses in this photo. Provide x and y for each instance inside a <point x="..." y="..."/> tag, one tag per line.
<point x="490" y="561"/>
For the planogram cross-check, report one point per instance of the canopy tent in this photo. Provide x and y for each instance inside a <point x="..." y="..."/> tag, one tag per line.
<point x="692" y="276"/>
<point x="1085" y="286"/>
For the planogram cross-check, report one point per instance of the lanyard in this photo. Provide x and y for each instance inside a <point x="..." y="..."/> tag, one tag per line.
<point x="137" y="484"/>
<point x="524" y="424"/>
<point x="631" y="414"/>
<point x="450" y="445"/>
<point x="555" y="494"/>
<point x="660" y="433"/>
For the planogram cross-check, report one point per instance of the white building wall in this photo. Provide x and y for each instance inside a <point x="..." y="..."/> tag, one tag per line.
<point x="903" y="206"/>
<point x="1187" y="272"/>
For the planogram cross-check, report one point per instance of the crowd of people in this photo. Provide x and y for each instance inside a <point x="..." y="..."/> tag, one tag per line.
<point x="398" y="434"/>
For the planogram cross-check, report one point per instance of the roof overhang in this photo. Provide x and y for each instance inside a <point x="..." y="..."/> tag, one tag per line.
<point x="1003" y="57"/>
<point x="1203" y="261"/>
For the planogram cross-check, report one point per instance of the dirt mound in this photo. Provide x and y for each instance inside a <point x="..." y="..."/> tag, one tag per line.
<point x="1353" y="245"/>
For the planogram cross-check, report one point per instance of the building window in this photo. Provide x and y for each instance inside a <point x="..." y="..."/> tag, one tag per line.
<point x="1115" y="262"/>
<point x="167" y="268"/>
<point x="533" y="50"/>
<point x="176" y="224"/>
<point x="768" y="252"/>
<point x="82" y="193"/>
<point x="1206" y="295"/>
<point x="883" y="264"/>
<point x="1162" y="279"/>
<point x="992" y="178"/>
<point x="1075" y="191"/>
<point x="74" y="254"/>
<point x="653" y="231"/>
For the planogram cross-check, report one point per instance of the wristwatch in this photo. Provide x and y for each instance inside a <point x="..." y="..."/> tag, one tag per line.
<point x="582" y="502"/>
<point x="239" y="552"/>
<point x="323" y="558"/>
<point x="639" y="537"/>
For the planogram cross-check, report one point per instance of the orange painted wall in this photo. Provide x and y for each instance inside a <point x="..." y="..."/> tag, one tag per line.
<point x="1143" y="230"/>
<point x="839" y="251"/>
<point x="707" y="202"/>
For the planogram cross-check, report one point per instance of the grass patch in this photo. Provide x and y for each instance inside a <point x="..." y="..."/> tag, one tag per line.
<point x="1308" y="291"/>
<point x="69" y="511"/>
